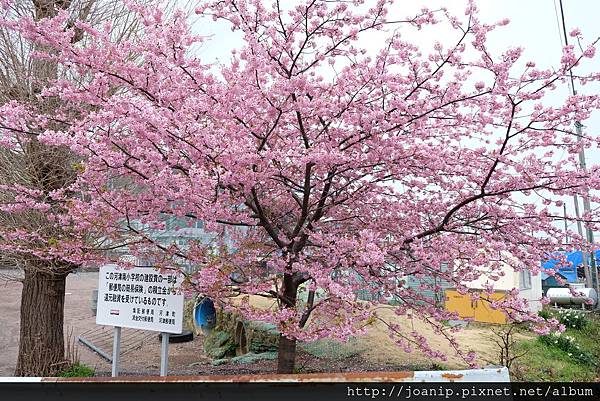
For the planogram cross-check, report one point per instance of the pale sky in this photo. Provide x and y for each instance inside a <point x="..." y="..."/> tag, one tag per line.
<point x="534" y="25"/>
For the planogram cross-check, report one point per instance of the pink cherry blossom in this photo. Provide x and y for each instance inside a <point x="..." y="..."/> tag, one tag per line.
<point x="320" y="165"/>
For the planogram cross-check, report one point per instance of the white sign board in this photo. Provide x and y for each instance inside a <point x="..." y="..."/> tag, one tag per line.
<point x="140" y="298"/>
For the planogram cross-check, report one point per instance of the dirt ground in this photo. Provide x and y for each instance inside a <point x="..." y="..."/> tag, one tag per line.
<point x="378" y="351"/>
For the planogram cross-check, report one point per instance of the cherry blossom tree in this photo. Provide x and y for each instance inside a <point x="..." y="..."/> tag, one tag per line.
<point x="333" y="154"/>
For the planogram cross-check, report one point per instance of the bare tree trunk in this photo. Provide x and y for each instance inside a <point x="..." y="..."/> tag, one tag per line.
<point x="41" y="343"/>
<point x="286" y="354"/>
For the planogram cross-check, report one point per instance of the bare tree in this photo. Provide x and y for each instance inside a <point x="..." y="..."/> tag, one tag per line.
<point x="504" y="337"/>
<point x="39" y="169"/>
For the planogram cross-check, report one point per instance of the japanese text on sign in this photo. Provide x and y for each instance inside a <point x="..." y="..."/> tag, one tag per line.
<point x="141" y="298"/>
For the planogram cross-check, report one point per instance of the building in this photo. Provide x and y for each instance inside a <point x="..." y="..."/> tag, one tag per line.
<point x="528" y="285"/>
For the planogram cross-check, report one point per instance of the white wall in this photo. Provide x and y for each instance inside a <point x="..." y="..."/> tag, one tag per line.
<point x="512" y="279"/>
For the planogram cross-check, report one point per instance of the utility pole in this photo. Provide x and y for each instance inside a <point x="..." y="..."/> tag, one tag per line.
<point x="586" y="201"/>
<point x="566" y="225"/>
<point x="586" y="269"/>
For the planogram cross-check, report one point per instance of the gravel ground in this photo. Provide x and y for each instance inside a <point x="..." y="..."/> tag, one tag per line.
<point x="78" y="318"/>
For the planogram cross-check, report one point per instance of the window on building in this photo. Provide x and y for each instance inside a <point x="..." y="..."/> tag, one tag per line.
<point x="525" y="279"/>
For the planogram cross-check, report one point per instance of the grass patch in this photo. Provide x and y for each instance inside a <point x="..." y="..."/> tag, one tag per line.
<point x="78" y="370"/>
<point x="546" y="361"/>
<point x="332" y="349"/>
<point x="571" y="347"/>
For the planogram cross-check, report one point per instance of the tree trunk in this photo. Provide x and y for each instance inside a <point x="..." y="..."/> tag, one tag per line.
<point x="41" y="343"/>
<point x="286" y="356"/>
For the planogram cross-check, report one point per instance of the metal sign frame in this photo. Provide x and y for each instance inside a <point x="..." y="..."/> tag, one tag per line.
<point x="134" y="298"/>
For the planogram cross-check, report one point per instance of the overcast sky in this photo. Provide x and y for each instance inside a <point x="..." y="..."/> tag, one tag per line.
<point x="534" y="25"/>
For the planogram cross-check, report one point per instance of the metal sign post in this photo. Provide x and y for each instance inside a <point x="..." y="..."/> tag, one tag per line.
<point x="140" y="298"/>
<point x="164" y="354"/>
<point x="116" y="351"/>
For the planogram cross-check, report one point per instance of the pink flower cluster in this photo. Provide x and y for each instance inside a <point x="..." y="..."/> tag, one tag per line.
<point x="319" y="170"/>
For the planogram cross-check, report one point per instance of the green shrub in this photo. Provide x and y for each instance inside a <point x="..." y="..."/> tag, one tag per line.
<point x="78" y="370"/>
<point x="572" y="318"/>
<point x="568" y="345"/>
<point x="545" y="314"/>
